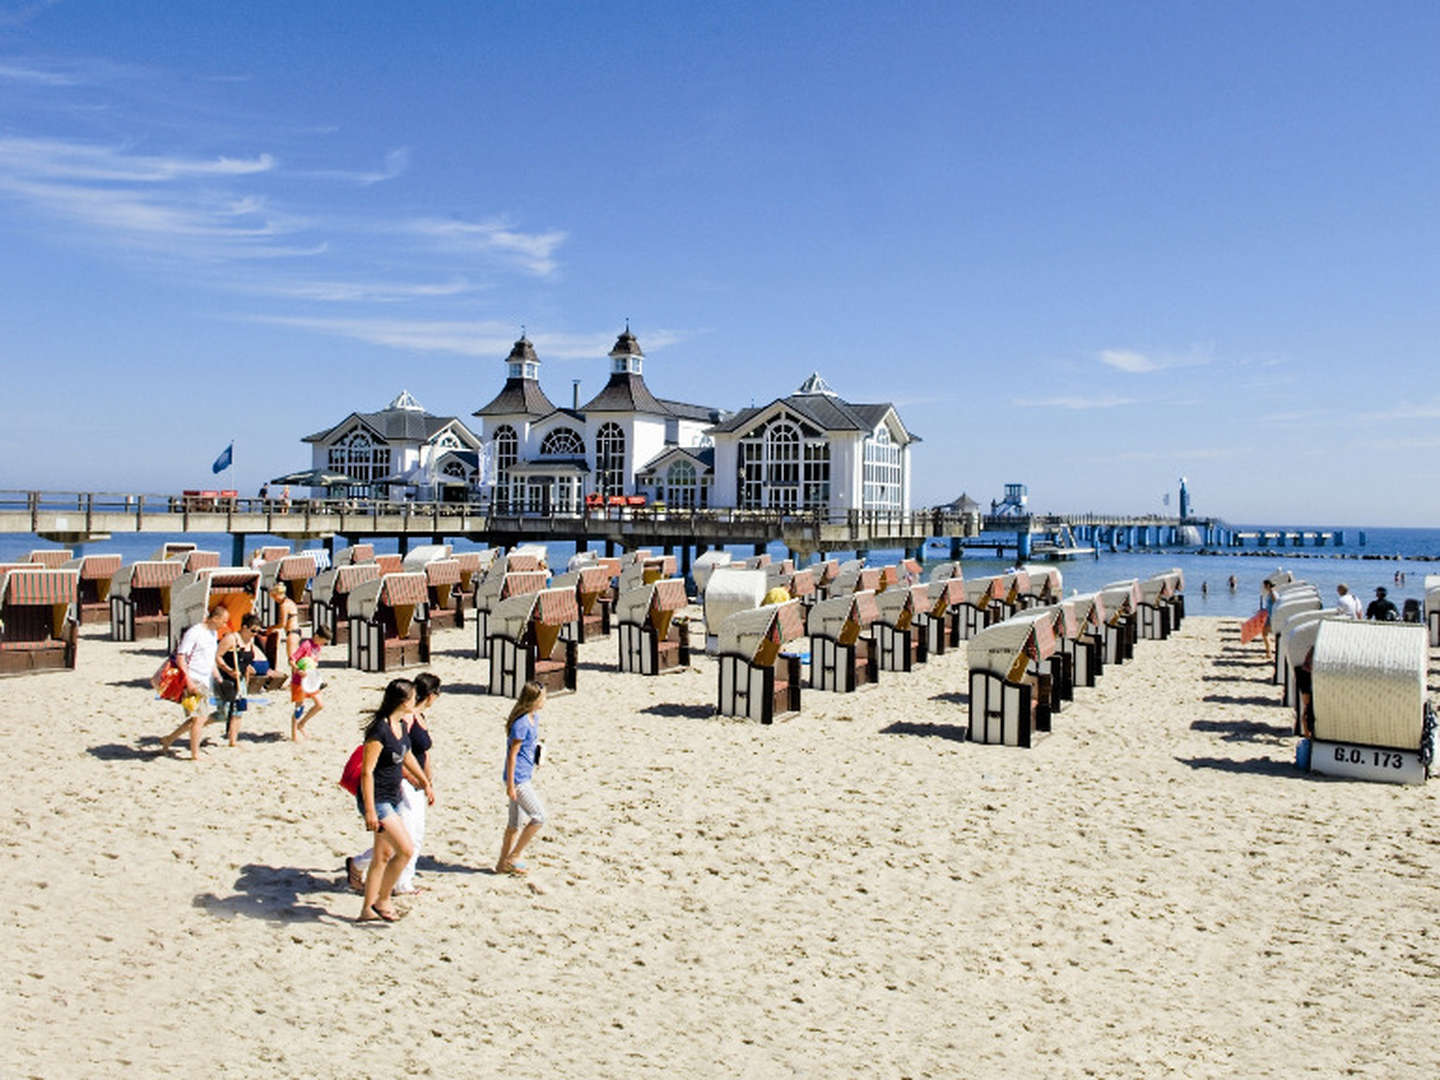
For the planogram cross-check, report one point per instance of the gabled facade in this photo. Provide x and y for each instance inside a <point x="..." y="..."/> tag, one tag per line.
<point x="813" y="450"/>
<point x="398" y="449"/>
<point x="548" y="459"/>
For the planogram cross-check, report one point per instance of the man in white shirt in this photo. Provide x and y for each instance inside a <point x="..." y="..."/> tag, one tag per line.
<point x="196" y="658"/>
<point x="1349" y="605"/>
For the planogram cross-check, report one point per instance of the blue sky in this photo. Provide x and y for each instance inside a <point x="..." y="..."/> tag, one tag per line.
<point x="1088" y="247"/>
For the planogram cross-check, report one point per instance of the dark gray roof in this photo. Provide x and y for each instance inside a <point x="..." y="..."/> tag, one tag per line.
<point x="686" y="411"/>
<point x="392" y="425"/>
<point x="825" y="411"/>
<point x="574" y="414"/>
<point x="518" y="397"/>
<point x="626" y="345"/>
<point x="521" y="352"/>
<point x="625" y="392"/>
<point x="703" y="456"/>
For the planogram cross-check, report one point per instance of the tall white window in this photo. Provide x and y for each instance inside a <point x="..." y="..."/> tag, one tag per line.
<point x="782" y="466"/>
<point x="563" y="442"/>
<point x="358" y="456"/>
<point x="816" y="492"/>
<point x="680" y="487"/>
<point x="752" y="473"/>
<point x="507" y="452"/>
<point x="882" y="472"/>
<point x="610" y="460"/>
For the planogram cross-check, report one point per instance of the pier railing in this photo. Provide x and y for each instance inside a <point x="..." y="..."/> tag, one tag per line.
<point x="81" y="515"/>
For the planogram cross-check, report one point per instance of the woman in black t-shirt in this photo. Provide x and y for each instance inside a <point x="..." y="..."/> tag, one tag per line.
<point x="387" y="758"/>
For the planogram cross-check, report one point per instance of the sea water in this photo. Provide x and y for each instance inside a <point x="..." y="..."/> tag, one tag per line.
<point x="1387" y="552"/>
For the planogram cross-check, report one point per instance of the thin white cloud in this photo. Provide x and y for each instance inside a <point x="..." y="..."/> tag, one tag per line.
<point x="35" y="76"/>
<point x="1105" y="401"/>
<point x="487" y="338"/>
<point x="1138" y="363"/>
<point x="533" y="252"/>
<point x="397" y="162"/>
<point x="60" y="159"/>
<point x="366" y="291"/>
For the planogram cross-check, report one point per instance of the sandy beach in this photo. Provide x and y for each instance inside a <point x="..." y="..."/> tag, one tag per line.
<point x="1152" y="891"/>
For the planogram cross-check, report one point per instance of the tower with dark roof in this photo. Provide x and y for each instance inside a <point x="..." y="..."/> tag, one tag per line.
<point x="521" y="395"/>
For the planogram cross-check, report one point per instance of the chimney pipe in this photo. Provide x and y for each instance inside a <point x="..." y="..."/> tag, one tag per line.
<point x="575" y="393"/>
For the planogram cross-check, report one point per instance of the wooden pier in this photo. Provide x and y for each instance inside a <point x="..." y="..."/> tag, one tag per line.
<point x="84" y="517"/>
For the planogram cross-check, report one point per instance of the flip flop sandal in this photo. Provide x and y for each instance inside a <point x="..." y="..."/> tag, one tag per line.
<point x="518" y="869"/>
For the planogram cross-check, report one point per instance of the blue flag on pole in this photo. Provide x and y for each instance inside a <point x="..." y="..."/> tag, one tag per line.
<point x="223" y="461"/>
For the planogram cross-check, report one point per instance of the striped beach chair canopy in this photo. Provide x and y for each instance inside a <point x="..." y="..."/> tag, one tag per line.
<point x="944" y="593"/>
<point x="472" y="562"/>
<point x="1044" y="580"/>
<point x="7" y="566"/>
<point x="732" y="589"/>
<point x="910" y="570"/>
<point x="355" y="554"/>
<point x="147" y="574"/>
<point x="897" y="605"/>
<point x="1090" y="612"/>
<point x="1368" y="683"/>
<point x="594" y="580"/>
<point x="1017" y="584"/>
<point x="1007" y="648"/>
<point x="391" y="563"/>
<point x="511" y="616"/>
<point x="538" y="552"/>
<point x="50" y="558"/>
<point x="1052" y="616"/>
<point x="981" y="592"/>
<point x="174" y="549"/>
<point x="520" y="561"/>
<point x="523" y="582"/>
<point x="1121" y="597"/>
<point x="871" y="579"/>
<point x="97" y="567"/>
<point x="201" y="560"/>
<point x="38" y="586"/>
<point x="268" y="553"/>
<point x="759" y="635"/>
<point x="802" y="583"/>
<point x="296" y="567"/>
<point x="1067" y="619"/>
<point x="415" y="559"/>
<point x="442" y="572"/>
<point x="342" y="580"/>
<point x="1156" y="589"/>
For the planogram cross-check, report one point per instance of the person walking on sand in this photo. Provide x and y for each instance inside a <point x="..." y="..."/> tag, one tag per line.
<point x="386" y="759"/>
<point x="196" y="658"/>
<point x="522" y="756"/>
<point x="305" y="684"/>
<point x="1267" y="604"/>
<point x="287" y="623"/>
<point x="412" y="801"/>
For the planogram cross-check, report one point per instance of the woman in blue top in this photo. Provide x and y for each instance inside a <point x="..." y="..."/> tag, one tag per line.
<point x="522" y="741"/>
<point x="387" y="759"/>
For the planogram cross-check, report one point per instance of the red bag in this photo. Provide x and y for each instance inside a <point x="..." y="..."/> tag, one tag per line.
<point x="169" y="682"/>
<point x="350" y="775"/>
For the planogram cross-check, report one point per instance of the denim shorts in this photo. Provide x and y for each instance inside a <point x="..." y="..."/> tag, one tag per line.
<point x="382" y="809"/>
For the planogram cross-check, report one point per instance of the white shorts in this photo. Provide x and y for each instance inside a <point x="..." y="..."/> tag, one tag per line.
<point x="528" y="800"/>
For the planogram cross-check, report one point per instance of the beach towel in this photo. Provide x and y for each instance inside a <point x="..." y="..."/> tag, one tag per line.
<point x="1253" y="627"/>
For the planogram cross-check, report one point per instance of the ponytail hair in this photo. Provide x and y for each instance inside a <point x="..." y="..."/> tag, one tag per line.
<point x="397" y="693"/>
<point x="529" y="695"/>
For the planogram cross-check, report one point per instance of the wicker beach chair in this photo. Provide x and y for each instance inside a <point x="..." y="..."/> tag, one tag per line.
<point x="1372" y="715"/>
<point x="757" y="680"/>
<point x="500" y="584"/>
<point x="1295" y="602"/>
<point x="93" y="593"/>
<point x="591" y="585"/>
<point x="1121" y="600"/>
<point x="50" y="558"/>
<point x="355" y="554"/>
<point x="176" y="549"/>
<point x="330" y="596"/>
<point x="1155" y="609"/>
<point x="198" y="560"/>
<point x="195" y="593"/>
<point x="731" y="589"/>
<point x="651" y="638"/>
<point x="900" y="645"/>
<point x="525" y="642"/>
<point x="1046" y="584"/>
<point x="1298" y="643"/>
<point x="140" y="599"/>
<point x="1087" y="646"/>
<point x="706" y="564"/>
<point x="842" y="657"/>
<point x="38" y="627"/>
<point x="294" y="572"/>
<point x="1059" y="666"/>
<point x="1009" y="703"/>
<point x="389" y="624"/>
<point x="983" y="605"/>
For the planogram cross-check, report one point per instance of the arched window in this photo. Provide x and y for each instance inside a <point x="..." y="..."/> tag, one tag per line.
<point x="447" y="441"/>
<point x="782" y="466"/>
<point x="507" y="451"/>
<point x="610" y="460"/>
<point x="680" y="485"/>
<point x="563" y="442"/>
<point x="457" y="470"/>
